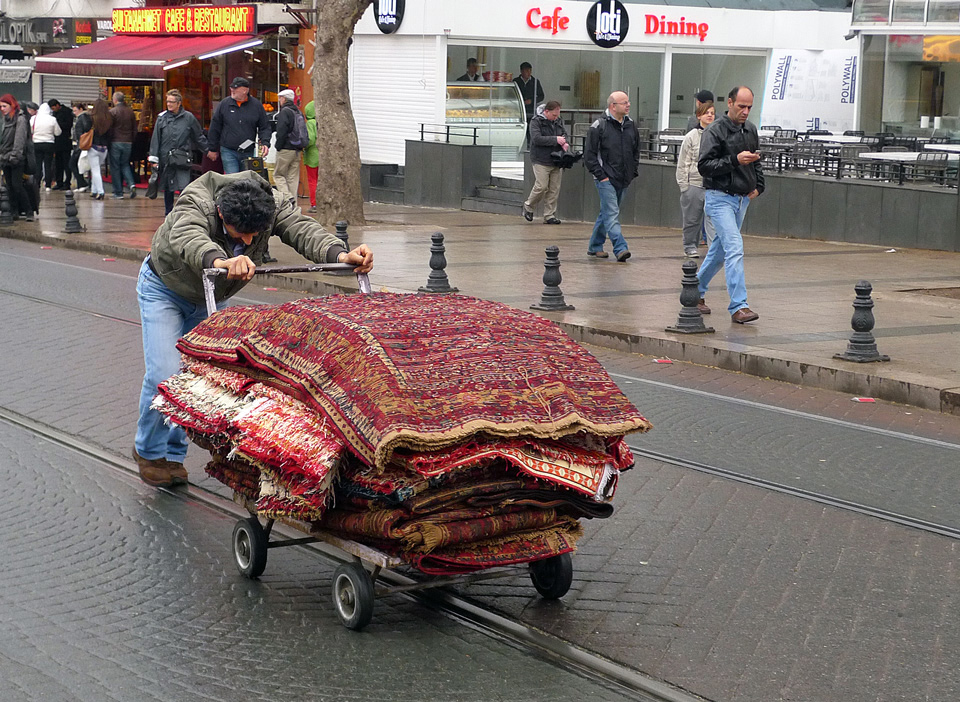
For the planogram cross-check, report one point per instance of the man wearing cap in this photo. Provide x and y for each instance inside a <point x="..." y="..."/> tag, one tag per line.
<point x="286" y="172"/>
<point x="699" y="98"/>
<point x="236" y="124"/>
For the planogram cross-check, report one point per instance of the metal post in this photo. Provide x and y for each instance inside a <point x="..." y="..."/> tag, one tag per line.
<point x="690" y="321"/>
<point x="437" y="280"/>
<point x="72" y="225"/>
<point x="6" y="218"/>
<point x="341" y="234"/>
<point x="862" y="347"/>
<point x="551" y="299"/>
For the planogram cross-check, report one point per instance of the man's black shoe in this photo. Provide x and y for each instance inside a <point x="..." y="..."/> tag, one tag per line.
<point x="527" y="215"/>
<point x="552" y="220"/>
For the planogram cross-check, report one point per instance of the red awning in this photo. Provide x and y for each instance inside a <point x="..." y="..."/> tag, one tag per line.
<point x="137" y="57"/>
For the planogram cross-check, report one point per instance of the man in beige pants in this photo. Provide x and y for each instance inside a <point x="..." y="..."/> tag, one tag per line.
<point x="286" y="172"/>
<point x="547" y="135"/>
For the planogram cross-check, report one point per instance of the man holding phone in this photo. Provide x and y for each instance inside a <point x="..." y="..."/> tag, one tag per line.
<point x="732" y="176"/>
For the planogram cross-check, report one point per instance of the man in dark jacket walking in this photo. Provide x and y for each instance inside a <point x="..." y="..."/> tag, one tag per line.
<point x="547" y="135"/>
<point x="62" y="144"/>
<point x="235" y="126"/>
<point x="732" y="176"/>
<point x="612" y="155"/>
<point x="124" y="132"/>
<point x="286" y="172"/>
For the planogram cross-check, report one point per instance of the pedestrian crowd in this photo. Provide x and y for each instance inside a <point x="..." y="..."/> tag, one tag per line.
<point x="718" y="171"/>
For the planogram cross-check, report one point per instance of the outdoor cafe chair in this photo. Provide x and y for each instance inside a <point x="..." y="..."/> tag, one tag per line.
<point x="785" y="134"/>
<point x="930" y="165"/>
<point x="874" y="142"/>
<point x="808" y="156"/>
<point x="850" y="162"/>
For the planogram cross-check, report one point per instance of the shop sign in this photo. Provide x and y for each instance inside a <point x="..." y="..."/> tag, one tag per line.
<point x="669" y="28"/>
<point x="233" y="19"/>
<point x="7" y="56"/>
<point x="389" y="14"/>
<point x="84" y="31"/>
<point x="42" y="31"/>
<point x="608" y="23"/>
<point x="554" y="22"/>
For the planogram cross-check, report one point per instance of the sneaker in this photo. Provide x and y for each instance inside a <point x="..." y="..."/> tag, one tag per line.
<point x="133" y="193"/>
<point x="527" y="215"/>
<point x="598" y="254"/>
<point x="313" y="209"/>
<point x="691" y="252"/>
<point x="623" y="256"/>
<point x="552" y="220"/>
<point x="81" y="189"/>
<point x="154" y="472"/>
<point x="47" y="189"/>
<point x="118" y="197"/>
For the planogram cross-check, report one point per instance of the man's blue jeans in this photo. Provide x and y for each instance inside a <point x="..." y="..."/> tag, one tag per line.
<point x="165" y="317"/>
<point x="120" y="165"/>
<point x="233" y="160"/>
<point x="726" y="249"/>
<point x="608" y="221"/>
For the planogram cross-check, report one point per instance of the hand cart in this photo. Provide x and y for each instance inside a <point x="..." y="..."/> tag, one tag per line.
<point x="354" y="587"/>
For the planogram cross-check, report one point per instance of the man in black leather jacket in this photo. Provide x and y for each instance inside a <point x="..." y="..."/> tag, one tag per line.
<point x="612" y="155"/>
<point x="732" y="176"/>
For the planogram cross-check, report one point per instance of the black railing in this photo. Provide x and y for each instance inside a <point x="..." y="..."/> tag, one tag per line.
<point x="449" y="130"/>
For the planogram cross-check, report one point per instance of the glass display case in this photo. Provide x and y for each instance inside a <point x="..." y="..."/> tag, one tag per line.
<point x="494" y="110"/>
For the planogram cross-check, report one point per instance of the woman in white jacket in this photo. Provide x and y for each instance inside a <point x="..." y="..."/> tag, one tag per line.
<point x="691" y="184"/>
<point x="45" y="129"/>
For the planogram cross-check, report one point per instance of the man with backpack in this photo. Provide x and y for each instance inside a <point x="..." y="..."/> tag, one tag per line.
<point x="292" y="138"/>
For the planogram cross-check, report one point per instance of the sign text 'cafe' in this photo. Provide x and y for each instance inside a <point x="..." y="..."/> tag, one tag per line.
<point x="232" y="19"/>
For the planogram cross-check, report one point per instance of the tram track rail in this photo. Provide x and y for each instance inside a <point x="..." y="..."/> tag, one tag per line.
<point x="543" y="645"/>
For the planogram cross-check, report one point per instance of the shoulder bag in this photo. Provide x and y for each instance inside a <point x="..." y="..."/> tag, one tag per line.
<point x="85" y="141"/>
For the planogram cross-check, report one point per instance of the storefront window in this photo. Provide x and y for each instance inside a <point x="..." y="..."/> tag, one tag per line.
<point x="718" y="74"/>
<point x="871" y="11"/>
<point x="911" y="85"/>
<point x="581" y="79"/>
<point x="944" y="11"/>
<point x="908" y="10"/>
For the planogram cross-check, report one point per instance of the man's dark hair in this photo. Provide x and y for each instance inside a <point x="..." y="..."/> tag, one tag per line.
<point x="471" y="62"/>
<point x="551" y="105"/>
<point x="247" y="205"/>
<point x="53" y="102"/>
<point x="732" y="95"/>
<point x="525" y="65"/>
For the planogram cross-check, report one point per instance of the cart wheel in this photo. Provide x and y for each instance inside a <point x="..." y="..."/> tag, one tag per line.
<point x="250" y="547"/>
<point x="353" y="595"/>
<point x="552" y="576"/>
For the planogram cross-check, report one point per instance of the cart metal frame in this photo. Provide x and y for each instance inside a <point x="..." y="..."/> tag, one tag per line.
<point x="355" y="588"/>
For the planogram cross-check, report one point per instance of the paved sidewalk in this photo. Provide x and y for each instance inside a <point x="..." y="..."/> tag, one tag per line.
<point x="802" y="289"/>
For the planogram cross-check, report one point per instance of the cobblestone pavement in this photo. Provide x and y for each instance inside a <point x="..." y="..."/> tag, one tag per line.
<point x="733" y="592"/>
<point x="111" y="590"/>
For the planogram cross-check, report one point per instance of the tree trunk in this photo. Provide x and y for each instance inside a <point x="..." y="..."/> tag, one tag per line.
<point x="339" y="195"/>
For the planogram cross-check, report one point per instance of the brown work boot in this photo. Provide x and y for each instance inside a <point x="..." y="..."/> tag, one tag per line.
<point x="178" y="474"/>
<point x="154" y="472"/>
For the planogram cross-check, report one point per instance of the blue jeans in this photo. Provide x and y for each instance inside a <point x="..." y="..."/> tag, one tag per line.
<point x="608" y="221"/>
<point x="233" y="160"/>
<point x="120" y="166"/>
<point x="165" y="317"/>
<point x="726" y="249"/>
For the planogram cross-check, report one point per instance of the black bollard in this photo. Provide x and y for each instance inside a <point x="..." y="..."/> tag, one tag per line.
<point x="862" y="347"/>
<point x="341" y="234"/>
<point x="6" y="218"/>
<point x="551" y="299"/>
<point x="437" y="280"/>
<point x="72" y="225"/>
<point x="690" y="321"/>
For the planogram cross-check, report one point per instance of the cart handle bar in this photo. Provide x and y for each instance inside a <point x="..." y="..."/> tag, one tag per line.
<point x="363" y="281"/>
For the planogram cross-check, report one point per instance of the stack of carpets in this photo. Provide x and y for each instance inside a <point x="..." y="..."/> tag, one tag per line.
<point x="452" y="432"/>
